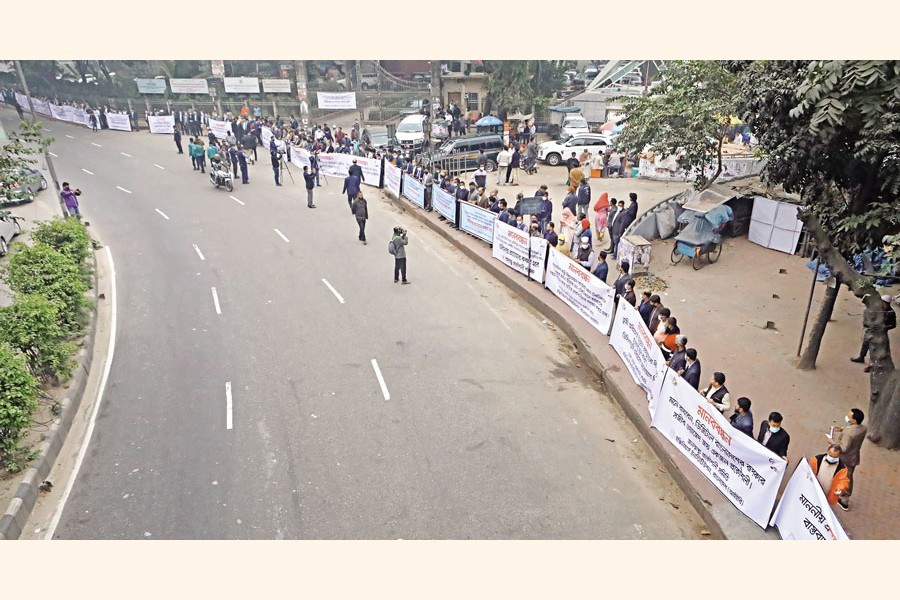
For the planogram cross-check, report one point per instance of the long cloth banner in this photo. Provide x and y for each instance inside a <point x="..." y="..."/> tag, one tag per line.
<point x="335" y="164"/>
<point x="414" y="190"/>
<point x="220" y="129"/>
<point x="746" y="472"/>
<point x="443" y="202"/>
<point x="336" y="100"/>
<point x="161" y="124"/>
<point x="803" y="512"/>
<point x="392" y="179"/>
<point x="118" y="122"/>
<point x="633" y="341"/>
<point x="511" y="248"/>
<point x="477" y="221"/>
<point x="577" y="287"/>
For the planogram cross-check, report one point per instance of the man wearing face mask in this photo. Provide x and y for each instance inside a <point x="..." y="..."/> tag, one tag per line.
<point x="772" y="436"/>
<point x="831" y="472"/>
<point x="850" y="439"/>
<point x="585" y="253"/>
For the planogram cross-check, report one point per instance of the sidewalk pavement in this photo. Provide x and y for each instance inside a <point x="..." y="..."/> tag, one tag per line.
<point x="723" y="310"/>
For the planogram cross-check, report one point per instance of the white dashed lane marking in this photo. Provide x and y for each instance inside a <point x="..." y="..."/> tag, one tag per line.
<point x="159" y="167"/>
<point x="123" y="189"/>
<point x="281" y="235"/>
<point x="86" y="171"/>
<point x="384" y="390"/>
<point x="236" y="200"/>
<point x="333" y="291"/>
<point x="216" y="301"/>
<point x="164" y="215"/>
<point x="200" y="254"/>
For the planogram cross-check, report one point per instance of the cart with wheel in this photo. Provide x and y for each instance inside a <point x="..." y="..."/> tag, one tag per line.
<point x="701" y="238"/>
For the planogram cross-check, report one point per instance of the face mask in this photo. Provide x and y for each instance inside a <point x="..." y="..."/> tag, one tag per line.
<point x="774" y="429"/>
<point x="847" y="420"/>
<point x="585" y="246"/>
<point x="831" y="459"/>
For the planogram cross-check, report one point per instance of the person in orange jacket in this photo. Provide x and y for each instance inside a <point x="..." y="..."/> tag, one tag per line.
<point x="831" y="472"/>
<point x="601" y="208"/>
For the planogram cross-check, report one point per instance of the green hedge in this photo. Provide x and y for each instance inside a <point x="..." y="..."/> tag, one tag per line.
<point x="18" y="399"/>
<point x="30" y="325"/>
<point x="67" y="236"/>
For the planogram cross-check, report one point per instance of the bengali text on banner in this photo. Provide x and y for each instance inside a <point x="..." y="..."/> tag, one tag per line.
<point x="577" y="287"/>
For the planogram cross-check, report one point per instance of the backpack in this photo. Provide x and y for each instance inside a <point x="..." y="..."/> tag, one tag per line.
<point x="392" y="249"/>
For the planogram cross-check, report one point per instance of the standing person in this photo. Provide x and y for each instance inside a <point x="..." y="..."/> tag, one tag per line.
<point x="890" y="322"/>
<point x="242" y="161"/>
<point x="177" y="136"/>
<point x="716" y="393"/>
<point x="276" y="163"/>
<point x="692" y="368"/>
<point x="610" y="223"/>
<point x="233" y="157"/>
<point x="356" y="170"/>
<point x="619" y="224"/>
<point x="93" y="119"/>
<point x="571" y="163"/>
<point x="677" y="361"/>
<point x="850" y="439"/>
<point x="831" y="473"/>
<point x="310" y="178"/>
<point x="192" y="152"/>
<point x="515" y="162"/>
<point x="584" y="196"/>
<point x="773" y="436"/>
<point x="360" y="209"/>
<point x="585" y="255"/>
<point x="351" y="188"/>
<point x="550" y="235"/>
<point x="399" y="242"/>
<point x="201" y="156"/>
<point x="481" y="161"/>
<point x="250" y="142"/>
<point x="70" y="198"/>
<point x="742" y="419"/>
<point x="503" y="165"/>
<point x="645" y="308"/>
<point x="601" y="270"/>
<point x="622" y="278"/>
<point x="479" y="177"/>
<point x="429" y="181"/>
<point x="314" y="165"/>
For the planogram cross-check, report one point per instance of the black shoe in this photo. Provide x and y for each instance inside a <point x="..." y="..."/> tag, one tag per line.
<point x="406" y="281"/>
<point x="857" y="359"/>
<point x="364" y="243"/>
<point x="843" y="506"/>
<point x="867" y="369"/>
<point x="396" y="280"/>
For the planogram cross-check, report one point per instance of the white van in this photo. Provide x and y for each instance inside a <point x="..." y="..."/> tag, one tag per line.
<point x="573" y="124"/>
<point x="411" y="132"/>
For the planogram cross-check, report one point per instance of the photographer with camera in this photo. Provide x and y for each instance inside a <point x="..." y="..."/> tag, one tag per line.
<point x="276" y="161"/>
<point x="70" y="197"/>
<point x="396" y="247"/>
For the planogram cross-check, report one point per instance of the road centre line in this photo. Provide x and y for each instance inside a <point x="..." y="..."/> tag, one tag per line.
<point x="229" y="421"/>
<point x="333" y="291"/>
<point x="71" y="137"/>
<point x="236" y="200"/>
<point x="281" y="235"/>
<point x="216" y="301"/>
<point x="200" y="254"/>
<point x="103" y="379"/>
<point x="384" y="390"/>
<point x="53" y="155"/>
<point x="123" y="189"/>
<point x="164" y="215"/>
<point x="96" y="144"/>
<point x="86" y="171"/>
<point x="125" y="154"/>
<point x="159" y="167"/>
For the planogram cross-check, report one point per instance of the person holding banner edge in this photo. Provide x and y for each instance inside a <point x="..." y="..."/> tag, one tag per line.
<point x="831" y="472"/>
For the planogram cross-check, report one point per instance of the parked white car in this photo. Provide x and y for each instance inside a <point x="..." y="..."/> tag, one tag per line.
<point x="556" y="152"/>
<point x="9" y="228"/>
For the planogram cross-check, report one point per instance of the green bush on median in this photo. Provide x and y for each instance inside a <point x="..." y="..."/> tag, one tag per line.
<point x="18" y="399"/>
<point x="67" y="236"/>
<point x="30" y="325"/>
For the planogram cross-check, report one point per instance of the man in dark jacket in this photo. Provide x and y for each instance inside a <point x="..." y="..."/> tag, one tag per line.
<point x="623" y="220"/>
<point x="692" y="368"/>
<point x="611" y="219"/>
<point x="601" y="269"/>
<point x="276" y="163"/>
<point x="584" y="197"/>
<point x="622" y="278"/>
<point x="351" y="188"/>
<point x="249" y="143"/>
<point x="310" y="179"/>
<point x="355" y="169"/>
<point x="742" y="419"/>
<point x="545" y="211"/>
<point x="678" y="359"/>
<point x="773" y="436"/>
<point x="550" y="235"/>
<point x="177" y="136"/>
<point x="242" y="161"/>
<point x="645" y="308"/>
<point x="360" y="210"/>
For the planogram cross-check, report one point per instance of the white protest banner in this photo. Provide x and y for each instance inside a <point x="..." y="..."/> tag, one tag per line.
<point x="189" y="86"/>
<point x="477" y="221"/>
<point x="151" y="86"/>
<point x="638" y="350"/>
<point x="803" y="512"/>
<point x="22" y="99"/>
<point x="414" y="190"/>
<point x="77" y="115"/>
<point x="276" y="86"/>
<point x="161" y="124"/>
<point x="336" y="100"/>
<point x="220" y="129"/>
<point x="266" y="137"/>
<point x="745" y="471"/>
<point x="242" y="85"/>
<point x="443" y="202"/>
<point x="511" y="248"/>
<point x="334" y="164"/>
<point x="57" y="112"/>
<point x="41" y="106"/>
<point x="577" y="287"/>
<point x="300" y="157"/>
<point x="392" y="178"/>
<point x="118" y="122"/>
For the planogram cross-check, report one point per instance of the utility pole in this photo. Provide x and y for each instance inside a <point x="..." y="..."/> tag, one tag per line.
<point x="47" y="157"/>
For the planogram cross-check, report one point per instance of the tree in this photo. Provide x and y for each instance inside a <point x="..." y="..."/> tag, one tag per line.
<point x="521" y="85"/>
<point x="830" y="130"/>
<point x="20" y="151"/>
<point x="686" y="116"/>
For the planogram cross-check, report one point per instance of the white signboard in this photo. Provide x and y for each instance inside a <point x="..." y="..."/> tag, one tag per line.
<point x="443" y="202"/>
<point x="775" y="225"/>
<point x="392" y="178"/>
<point x="414" y="190"/>
<point x="277" y="86"/>
<point x="638" y="350"/>
<point x="242" y="85"/>
<point x="151" y="86"/>
<point x="161" y="124"/>
<point x="745" y="471"/>
<point x="803" y="512"/>
<point x="189" y="86"/>
<point x="577" y="287"/>
<point x="477" y="221"/>
<point x="220" y="129"/>
<point x="337" y="100"/>
<point x="118" y="122"/>
<point x="511" y="248"/>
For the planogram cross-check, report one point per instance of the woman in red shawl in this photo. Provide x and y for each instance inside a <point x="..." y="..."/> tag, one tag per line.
<point x="601" y="208"/>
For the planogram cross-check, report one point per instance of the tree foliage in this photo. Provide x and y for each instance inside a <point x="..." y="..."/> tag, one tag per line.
<point x="30" y="326"/>
<point x="24" y="145"/>
<point x="69" y="237"/>
<point x="686" y="116"/>
<point x="18" y="394"/>
<point x="520" y="85"/>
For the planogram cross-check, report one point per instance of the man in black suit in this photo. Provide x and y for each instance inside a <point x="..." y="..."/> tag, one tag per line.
<point x="622" y="278"/>
<point x="692" y="368"/>
<point x="773" y="436"/>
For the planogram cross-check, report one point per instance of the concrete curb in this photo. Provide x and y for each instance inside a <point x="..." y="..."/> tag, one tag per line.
<point x="612" y="380"/>
<point x="12" y="522"/>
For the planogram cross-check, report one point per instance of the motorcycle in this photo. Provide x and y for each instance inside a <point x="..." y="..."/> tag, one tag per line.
<point x="529" y="164"/>
<point x="220" y="175"/>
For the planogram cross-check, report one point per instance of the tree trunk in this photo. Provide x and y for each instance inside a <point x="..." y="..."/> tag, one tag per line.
<point x="884" y="395"/>
<point x="808" y="360"/>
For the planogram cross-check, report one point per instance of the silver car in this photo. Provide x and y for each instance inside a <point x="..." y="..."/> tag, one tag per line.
<point x="9" y="228"/>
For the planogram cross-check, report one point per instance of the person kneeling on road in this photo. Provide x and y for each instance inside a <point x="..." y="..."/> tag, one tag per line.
<point x="397" y="247"/>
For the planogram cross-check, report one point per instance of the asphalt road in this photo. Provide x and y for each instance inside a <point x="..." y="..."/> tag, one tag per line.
<point x="490" y="430"/>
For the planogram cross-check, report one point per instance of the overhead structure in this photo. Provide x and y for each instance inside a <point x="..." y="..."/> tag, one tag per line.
<point x="615" y="70"/>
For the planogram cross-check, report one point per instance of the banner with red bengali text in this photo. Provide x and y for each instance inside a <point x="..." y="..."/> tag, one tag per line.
<point x="643" y="358"/>
<point x="803" y="512"/>
<point x="577" y="287"/>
